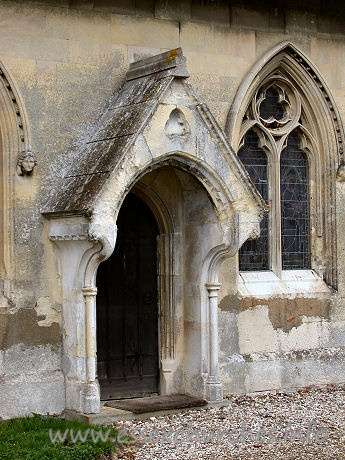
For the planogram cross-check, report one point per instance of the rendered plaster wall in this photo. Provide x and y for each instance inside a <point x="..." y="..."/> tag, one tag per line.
<point x="67" y="59"/>
<point x="280" y="343"/>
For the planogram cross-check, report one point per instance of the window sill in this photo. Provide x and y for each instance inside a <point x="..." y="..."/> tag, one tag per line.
<point x="306" y="283"/>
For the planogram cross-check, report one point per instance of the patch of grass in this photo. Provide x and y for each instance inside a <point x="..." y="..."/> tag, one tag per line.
<point x="28" y="438"/>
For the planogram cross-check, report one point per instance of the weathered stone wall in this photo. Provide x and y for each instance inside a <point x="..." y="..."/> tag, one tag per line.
<point x="67" y="59"/>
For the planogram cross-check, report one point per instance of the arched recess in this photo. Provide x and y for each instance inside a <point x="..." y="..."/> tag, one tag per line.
<point x="217" y="250"/>
<point x="219" y="195"/>
<point x="14" y="138"/>
<point x="322" y="138"/>
<point x="176" y="332"/>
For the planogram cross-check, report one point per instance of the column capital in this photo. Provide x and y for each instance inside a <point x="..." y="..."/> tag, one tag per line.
<point x="213" y="289"/>
<point x="89" y="291"/>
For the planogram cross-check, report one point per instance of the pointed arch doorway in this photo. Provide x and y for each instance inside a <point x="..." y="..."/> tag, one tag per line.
<point x="127" y="307"/>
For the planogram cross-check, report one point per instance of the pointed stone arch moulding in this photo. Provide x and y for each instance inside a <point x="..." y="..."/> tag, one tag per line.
<point x="14" y="140"/>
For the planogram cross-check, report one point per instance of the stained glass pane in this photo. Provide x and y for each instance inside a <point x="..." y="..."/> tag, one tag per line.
<point x="254" y="253"/>
<point x="270" y="106"/>
<point x="294" y="206"/>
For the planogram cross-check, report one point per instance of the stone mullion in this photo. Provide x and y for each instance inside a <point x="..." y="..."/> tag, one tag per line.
<point x="275" y="227"/>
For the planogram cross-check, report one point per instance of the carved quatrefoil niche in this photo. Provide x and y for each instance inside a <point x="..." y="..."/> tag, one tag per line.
<point x="177" y="125"/>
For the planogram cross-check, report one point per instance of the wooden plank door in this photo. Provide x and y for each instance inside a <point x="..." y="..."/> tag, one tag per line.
<point x="127" y="310"/>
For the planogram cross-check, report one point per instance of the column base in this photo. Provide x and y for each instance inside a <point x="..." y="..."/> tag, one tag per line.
<point x="214" y="389"/>
<point x="90" y="399"/>
<point x="83" y="397"/>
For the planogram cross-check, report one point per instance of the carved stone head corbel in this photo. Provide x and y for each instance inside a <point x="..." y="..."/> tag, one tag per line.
<point x="25" y="163"/>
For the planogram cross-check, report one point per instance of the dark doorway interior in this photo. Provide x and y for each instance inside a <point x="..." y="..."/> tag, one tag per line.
<point x="127" y="308"/>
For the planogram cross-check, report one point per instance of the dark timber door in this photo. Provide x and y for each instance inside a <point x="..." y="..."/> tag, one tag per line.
<point x="127" y="316"/>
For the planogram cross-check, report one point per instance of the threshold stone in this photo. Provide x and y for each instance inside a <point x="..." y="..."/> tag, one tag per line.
<point x="156" y="403"/>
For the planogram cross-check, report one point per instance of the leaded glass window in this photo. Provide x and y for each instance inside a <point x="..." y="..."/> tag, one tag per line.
<point x="254" y="253"/>
<point x="294" y="206"/>
<point x="275" y="139"/>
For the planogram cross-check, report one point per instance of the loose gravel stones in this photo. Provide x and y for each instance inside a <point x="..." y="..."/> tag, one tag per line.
<point x="306" y="424"/>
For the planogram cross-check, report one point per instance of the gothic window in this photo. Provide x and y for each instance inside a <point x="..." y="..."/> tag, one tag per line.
<point x="274" y="149"/>
<point x="284" y="103"/>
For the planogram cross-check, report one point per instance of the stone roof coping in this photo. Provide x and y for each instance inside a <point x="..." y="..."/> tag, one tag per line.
<point x="170" y="63"/>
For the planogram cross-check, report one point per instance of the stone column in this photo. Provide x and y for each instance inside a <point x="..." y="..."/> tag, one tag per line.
<point x="91" y="403"/>
<point x="214" y="390"/>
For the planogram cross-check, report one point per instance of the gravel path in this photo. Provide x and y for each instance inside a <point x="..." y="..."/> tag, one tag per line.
<point x="306" y="424"/>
